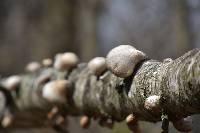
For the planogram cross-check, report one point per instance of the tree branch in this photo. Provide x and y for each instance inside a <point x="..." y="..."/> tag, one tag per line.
<point x="175" y="82"/>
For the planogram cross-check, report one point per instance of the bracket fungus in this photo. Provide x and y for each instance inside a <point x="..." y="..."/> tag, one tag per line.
<point x="56" y="91"/>
<point x="85" y="122"/>
<point x="97" y="65"/>
<point x="132" y="123"/>
<point x="66" y="61"/>
<point x="7" y="121"/>
<point x="33" y="66"/>
<point x="12" y="82"/>
<point x="52" y="112"/>
<point x="131" y="120"/>
<point x="47" y="62"/>
<point x="122" y="60"/>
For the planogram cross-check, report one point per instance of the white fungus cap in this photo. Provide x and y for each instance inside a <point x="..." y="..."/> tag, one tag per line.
<point x="131" y="119"/>
<point x="152" y="103"/>
<point x="7" y="120"/>
<point x="56" y="91"/>
<point x="132" y="122"/>
<point x="66" y="61"/>
<point x="122" y="60"/>
<point x="47" y="62"/>
<point x="97" y="65"/>
<point x="85" y="121"/>
<point x="12" y="82"/>
<point x="33" y="66"/>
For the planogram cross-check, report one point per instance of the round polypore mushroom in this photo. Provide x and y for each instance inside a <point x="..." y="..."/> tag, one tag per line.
<point x="66" y="61"/>
<point x="131" y="120"/>
<point x="13" y="82"/>
<point x="7" y="121"/>
<point x="59" y="120"/>
<point x="132" y="123"/>
<point x="97" y="65"/>
<point x="85" y="122"/>
<point x="56" y="91"/>
<point x="122" y="60"/>
<point x="52" y="113"/>
<point x="47" y="62"/>
<point x="152" y="103"/>
<point x="183" y="125"/>
<point x="33" y="66"/>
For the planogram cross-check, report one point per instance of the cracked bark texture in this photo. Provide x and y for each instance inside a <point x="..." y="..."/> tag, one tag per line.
<point x="108" y="96"/>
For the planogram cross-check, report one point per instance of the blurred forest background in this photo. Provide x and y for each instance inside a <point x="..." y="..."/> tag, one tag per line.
<point x="32" y="30"/>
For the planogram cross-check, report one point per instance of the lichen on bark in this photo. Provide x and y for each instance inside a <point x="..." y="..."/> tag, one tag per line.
<point x="177" y="82"/>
